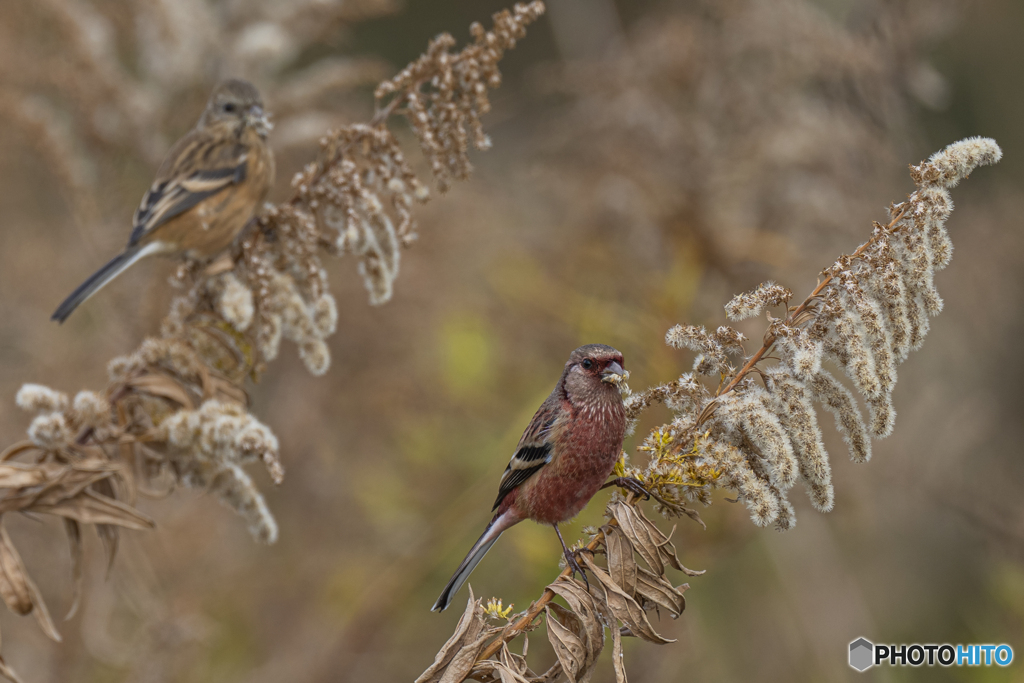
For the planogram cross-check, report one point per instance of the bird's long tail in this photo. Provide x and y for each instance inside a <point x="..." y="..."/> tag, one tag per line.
<point x="97" y="280"/>
<point x="501" y="521"/>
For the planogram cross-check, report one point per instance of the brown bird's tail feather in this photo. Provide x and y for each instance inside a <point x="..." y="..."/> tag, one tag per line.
<point x="498" y="525"/>
<point x="97" y="280"/>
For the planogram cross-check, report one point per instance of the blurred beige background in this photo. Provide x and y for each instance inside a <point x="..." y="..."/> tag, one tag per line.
<point x="650" y="159"/>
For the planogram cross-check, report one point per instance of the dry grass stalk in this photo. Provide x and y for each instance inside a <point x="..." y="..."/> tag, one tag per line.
<point x="176" y="412"/>
<point x="867" y="313"/>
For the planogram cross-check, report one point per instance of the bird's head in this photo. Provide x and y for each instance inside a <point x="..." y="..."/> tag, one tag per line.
<point x="235" y="105"/>
<point x="594" y="369"/>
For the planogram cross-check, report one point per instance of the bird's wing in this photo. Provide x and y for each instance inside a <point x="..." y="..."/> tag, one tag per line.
<point x="534" y="451"/>
<point x="195" y="169"/>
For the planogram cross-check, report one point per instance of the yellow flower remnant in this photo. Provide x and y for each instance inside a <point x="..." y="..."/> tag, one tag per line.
<point x="496" y="610"/>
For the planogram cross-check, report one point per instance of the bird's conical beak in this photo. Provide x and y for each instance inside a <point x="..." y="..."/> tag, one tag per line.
<point x="613" y="374"/>
<point x="258" y="119"/>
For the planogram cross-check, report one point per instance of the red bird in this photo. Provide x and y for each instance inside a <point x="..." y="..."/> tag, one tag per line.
<point x="564" y="457"/>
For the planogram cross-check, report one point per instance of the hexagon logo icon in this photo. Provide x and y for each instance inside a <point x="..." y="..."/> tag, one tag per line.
<point x="862" y="654"/>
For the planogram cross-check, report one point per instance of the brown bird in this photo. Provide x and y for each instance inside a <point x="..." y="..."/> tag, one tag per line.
<point x="564" y="457"/>
<point x="205" y="191"/>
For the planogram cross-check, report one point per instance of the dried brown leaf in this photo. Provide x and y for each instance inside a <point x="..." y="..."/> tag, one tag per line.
<point x="516" y="663"/>
<point x="621" y="565"/>
<point x="508" y="668"/>
<point x="17" y="449"/>
<point x="582" y="604"/>
<point x="225" y="390"/>
<point x="654" y="547"/>
<point x="494" y="670"/>
<point x="645" y="538"/>
<point x="40" y="610"/>
<point x="618" y="662"/>
<point x="18" y="475"/>
<point x="668" y="554"/>
<point x="660" y="591"/>
<point x="164" y="386"/>
<point x="18" y="585"/>
<point x="74" y="533"/>
<point x="13" y="587"/>
<point x="59" y="483"/>
<point x="569" y="647"/>
<point x="7" y="672"/>
<point x="89" y="507"/>
<point x="471" y="623"/>
<point x="622" y="606"/>
<point x="463" y="661"/>
<point x="107" y="532"/>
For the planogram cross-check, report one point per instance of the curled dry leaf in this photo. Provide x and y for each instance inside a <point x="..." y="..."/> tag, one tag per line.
<point x="18" y="585"/>
<point x="659" y="591"/>
<point x="13" y="587"/>
<point x="618" y="662"/>
<point x="621" y="565"/>
<point x="162" y="385"/>
<point x="514" y="666"/>
<point x="493" y="670"/>
<point x="463" y="661"/>
<point x="654" y="547"/>
<point x="582" y="604"/>
<point x="89" y="507"/>
<point x="567" y="637"/>
<point x="645" y="538"/>
<point x="457" y="657"/>
<point x="18" y="476"/>
<point x="623" y="607"/>
<point x="7" y="672"/>
<point x="74" y="533"/>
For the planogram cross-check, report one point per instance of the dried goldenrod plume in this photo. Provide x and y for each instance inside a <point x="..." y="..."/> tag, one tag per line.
<point x="757" y="438"/>
<point x="866" y="315"/>
<point x="176" y="410"/>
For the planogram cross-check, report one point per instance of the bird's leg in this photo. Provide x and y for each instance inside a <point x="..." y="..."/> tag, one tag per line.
<point x="632" y="485"/>
<point x="570" y="559"/>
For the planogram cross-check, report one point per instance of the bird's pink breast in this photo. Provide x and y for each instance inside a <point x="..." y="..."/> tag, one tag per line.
<point x="585" y="453"/>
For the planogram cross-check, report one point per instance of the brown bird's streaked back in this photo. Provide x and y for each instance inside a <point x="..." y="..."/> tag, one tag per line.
<point x="206" y="190"/>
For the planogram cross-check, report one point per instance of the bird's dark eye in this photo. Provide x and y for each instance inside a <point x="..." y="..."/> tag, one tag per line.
<point x="587" y="363"/>
<point x="229" y="107"/>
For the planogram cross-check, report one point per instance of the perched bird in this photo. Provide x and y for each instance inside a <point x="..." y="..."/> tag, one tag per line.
<point x="205" y="191"/>
<point x="565" y="455"/>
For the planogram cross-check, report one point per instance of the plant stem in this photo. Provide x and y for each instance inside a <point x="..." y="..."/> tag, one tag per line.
<point x="801" y="308"/>
<point x="536" y="608"/>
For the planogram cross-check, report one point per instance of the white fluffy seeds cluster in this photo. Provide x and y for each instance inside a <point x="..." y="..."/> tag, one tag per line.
<point x="58" y="421"/>
<point x="209" y="447"/>
<point x="866" y="319"/>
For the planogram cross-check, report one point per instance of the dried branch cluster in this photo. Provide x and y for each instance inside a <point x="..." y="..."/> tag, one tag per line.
<point x="175" y="412"/>
<point x="623" y="591"/>
<point x="868" y="313"/>
<point x="356" y="198"/>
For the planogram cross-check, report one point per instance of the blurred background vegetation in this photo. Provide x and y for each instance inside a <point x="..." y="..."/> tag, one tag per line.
<point x="650" y="159"/>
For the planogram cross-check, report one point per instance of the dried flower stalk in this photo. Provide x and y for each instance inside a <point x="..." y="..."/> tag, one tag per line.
<point x="758" y="439"/>
<point x="176" y="412"/>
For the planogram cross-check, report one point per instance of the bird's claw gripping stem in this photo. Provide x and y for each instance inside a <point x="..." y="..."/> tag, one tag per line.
<point x="632" y="485"/>
<point x="570" y="559"/>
